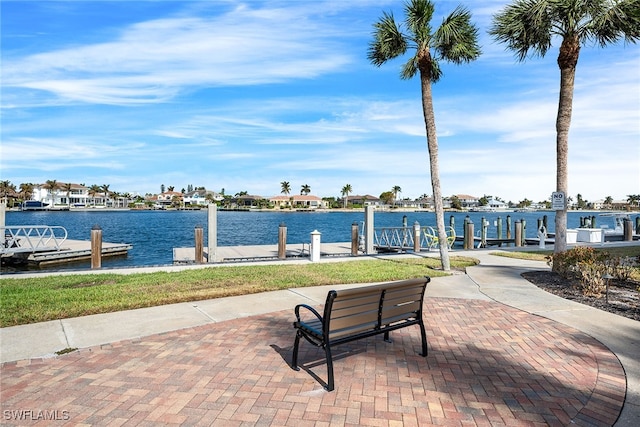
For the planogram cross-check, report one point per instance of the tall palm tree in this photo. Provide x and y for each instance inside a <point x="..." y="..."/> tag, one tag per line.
<point x="6" y="187"/>
<point x="529" y="26"/>
<point x="285" y="188"/>
<point x="345" y="194"/>
<point x="633" y="199"/>
<point x="52" y="185"/>
<point x="107" y="193"/>
<point x="396" y="189"/>
<point x="305" y="189"/>
<point x="456" y="40"/>
<point x="67" y="189"/>
<point x="93" y="191"/>
<point x="26" y="191"/>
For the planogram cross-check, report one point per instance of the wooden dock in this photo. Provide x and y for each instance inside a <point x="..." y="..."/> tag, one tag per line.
<point x="70" y="251"/>
<point x="261" y="252"/>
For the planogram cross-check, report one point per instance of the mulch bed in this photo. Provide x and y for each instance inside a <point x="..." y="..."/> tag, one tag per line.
<point x="623" y="296"/>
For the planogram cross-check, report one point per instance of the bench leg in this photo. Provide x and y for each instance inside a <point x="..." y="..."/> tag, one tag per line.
<point x="386" y="337"/>
<point x="330" y="384"/>
<point x="294" y="357"/>
<point x="423" y="334"/>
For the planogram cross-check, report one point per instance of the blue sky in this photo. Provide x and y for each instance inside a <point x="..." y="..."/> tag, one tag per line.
<point x="243" y="95"/>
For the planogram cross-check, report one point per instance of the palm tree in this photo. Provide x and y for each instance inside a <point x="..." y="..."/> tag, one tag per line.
<point x="608" y="201"/>
<point x="396" y="189"/>
<point x="305" y="189"/>
<point x="6" y="188"/>
<point x="107" y="193"/>
<point x="633" y="199"/>
<point x="93" y="191"/>
<point x="345" y="194"/>
<point x="456" y="40"/>
<point x="529" y="26"/>
<point x="51" y="185"/>
<point x="67" y="189"/>
<point x="285" y="188"/>
<point x="26" y="191"/>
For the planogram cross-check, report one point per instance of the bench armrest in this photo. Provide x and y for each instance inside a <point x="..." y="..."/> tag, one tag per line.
<point x="311" y="309"/>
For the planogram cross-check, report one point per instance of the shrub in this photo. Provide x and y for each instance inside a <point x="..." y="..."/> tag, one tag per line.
<point x="584" y="264"/>
<point x="621" y="268"/>
<point x="566" y="264"/>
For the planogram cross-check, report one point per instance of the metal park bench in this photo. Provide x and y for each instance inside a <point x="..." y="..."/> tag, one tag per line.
<point x="351" y="314"/>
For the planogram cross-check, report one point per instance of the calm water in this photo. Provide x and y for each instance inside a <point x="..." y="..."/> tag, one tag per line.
<point x="154" y="234"/>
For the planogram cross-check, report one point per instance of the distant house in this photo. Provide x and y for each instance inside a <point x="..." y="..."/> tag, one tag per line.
<point x="78" y="195"/>
<point x="166" y="199"/>
<point x="367" y="200"/>
<point x="246" y="200"/>
<point x="298" y="200"/>
<point x="200" y="197"/>
<point x="467" y="201"/>
<point x="497" y="204"/>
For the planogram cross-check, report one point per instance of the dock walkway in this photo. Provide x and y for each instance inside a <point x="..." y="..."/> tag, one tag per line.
<point x="69" y="251"/>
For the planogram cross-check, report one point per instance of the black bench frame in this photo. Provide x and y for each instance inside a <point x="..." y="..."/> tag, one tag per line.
<point x="351" y="314"/>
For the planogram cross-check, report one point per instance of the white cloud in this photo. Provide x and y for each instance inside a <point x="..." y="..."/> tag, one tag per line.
<point x="152" y="61"/>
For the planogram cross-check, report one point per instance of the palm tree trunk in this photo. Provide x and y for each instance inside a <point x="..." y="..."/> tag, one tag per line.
<point x="567" y="61"/>
<point x="432" y="145"/>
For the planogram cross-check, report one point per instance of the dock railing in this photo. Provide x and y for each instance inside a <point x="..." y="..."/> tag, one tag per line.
<point x="402" y="238"/>
<point x="32" y="238"/>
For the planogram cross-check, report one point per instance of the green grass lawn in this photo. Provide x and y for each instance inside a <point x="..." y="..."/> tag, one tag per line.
<point x="31" y="300"/>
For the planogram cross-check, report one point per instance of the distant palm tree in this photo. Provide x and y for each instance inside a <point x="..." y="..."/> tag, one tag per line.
<point x="396" y="189"/>
<point x="305" y="189"/>
<point x="345" y="194"/>
<point x="531" y="25"/>
<point x="633" y="199"/>
<point x="26" y="191"/>
<point x="456" y="40"/>
<point x="285" y="188"/>
<point x="107" y="193"/>
<point x="6" y="188"/>
<point x="51" y="185"/>
<point x="608" y="201"/>
<point x="94" y="190"/>
<point x="67" y="189"/>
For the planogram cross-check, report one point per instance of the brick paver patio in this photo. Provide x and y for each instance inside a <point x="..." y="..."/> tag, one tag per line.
<point x="488" y="365"/>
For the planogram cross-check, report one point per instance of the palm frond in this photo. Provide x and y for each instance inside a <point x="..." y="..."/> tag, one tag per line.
<point x="525" y="26"/>
<point x="388" y="41"/>
<point x="611" y="22"/>
<point x="418" y="19"/>
<point x="409" y="69"/>
<point x="456" y="40"/>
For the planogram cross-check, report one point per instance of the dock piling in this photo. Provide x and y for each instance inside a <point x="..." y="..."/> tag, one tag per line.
<point x="282" y="241"/>
<point x="355" y="239"/>
<point x="199" y="238"/>
<point x="96" y="247"/>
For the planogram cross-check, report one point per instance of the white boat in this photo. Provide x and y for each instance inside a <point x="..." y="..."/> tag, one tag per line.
<point x="34" y="205"/>
<point x="614" y="228"/>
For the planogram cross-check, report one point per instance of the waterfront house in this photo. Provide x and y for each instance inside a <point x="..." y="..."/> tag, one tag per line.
<point x="306" y="201"/>
<point x="201" y="197"/>
<point x="167" y="199"/>
<point x="78" y="196"/>
<point x="366" y="200"/>
<point x="467" y="201"/>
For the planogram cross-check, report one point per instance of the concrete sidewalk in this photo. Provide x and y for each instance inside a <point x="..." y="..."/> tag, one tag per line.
<point x="496" y="279"/>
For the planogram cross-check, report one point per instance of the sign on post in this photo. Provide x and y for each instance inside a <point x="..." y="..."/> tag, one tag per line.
<point x="558" y="202"/>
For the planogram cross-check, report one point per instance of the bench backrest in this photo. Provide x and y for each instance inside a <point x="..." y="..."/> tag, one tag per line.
<point x="351" y="311"/>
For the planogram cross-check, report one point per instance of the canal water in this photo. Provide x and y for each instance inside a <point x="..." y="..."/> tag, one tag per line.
<point x="154" y="234"/>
